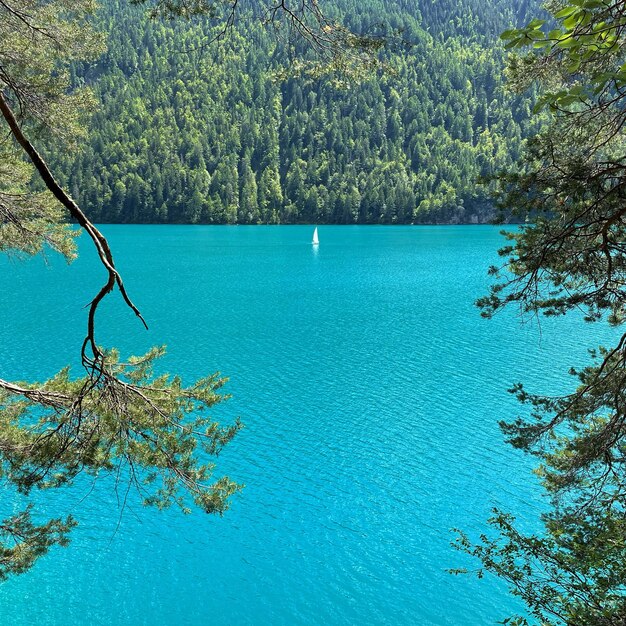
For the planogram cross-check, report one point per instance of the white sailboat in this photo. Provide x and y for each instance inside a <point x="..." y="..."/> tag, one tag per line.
<point x="316" y="241"/>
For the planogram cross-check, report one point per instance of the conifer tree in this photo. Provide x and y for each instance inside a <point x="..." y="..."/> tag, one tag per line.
<point x="570" y="257"/>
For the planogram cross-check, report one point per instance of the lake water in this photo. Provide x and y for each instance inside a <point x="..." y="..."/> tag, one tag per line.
<point x="370" y="388"/>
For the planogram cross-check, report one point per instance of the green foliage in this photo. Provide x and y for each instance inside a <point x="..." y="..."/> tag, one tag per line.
<point x="28" y="220"/>
<point x="122" y="419"/>
<point x="37" y="41"/>
<point x="570" y="257"/>
<point x="22" y="542"/>
<point x="573" y="575"/>
<point x="188" y="132"/>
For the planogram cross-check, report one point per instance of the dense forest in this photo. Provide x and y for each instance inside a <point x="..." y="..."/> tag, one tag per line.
<point x="225" y="133"/>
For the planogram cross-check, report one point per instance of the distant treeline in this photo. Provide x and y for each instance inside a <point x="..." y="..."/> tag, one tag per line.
<point x="218" y="134"/>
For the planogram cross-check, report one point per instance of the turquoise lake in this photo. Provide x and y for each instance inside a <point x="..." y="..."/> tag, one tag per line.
<point x="370" y="388"/>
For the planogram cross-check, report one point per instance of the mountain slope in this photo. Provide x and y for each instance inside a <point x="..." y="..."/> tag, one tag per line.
<point x="189" y="133"/>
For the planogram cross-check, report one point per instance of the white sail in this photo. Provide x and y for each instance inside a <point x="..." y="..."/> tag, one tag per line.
<point x="316" y="240"/>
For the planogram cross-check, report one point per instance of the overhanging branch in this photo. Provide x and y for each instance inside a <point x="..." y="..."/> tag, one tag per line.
<point x="99" y="240"/>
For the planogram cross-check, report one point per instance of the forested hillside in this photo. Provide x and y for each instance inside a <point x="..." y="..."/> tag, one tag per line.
<point x="187" y="132"/>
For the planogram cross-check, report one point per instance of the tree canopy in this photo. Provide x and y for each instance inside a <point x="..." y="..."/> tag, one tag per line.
<point x="254" y="132"/>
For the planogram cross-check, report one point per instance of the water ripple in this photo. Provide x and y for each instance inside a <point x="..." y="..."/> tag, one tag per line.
<point x="371" y="390"/>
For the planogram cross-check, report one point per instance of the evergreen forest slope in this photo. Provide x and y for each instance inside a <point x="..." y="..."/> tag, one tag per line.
<point x="189" y="133"/>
